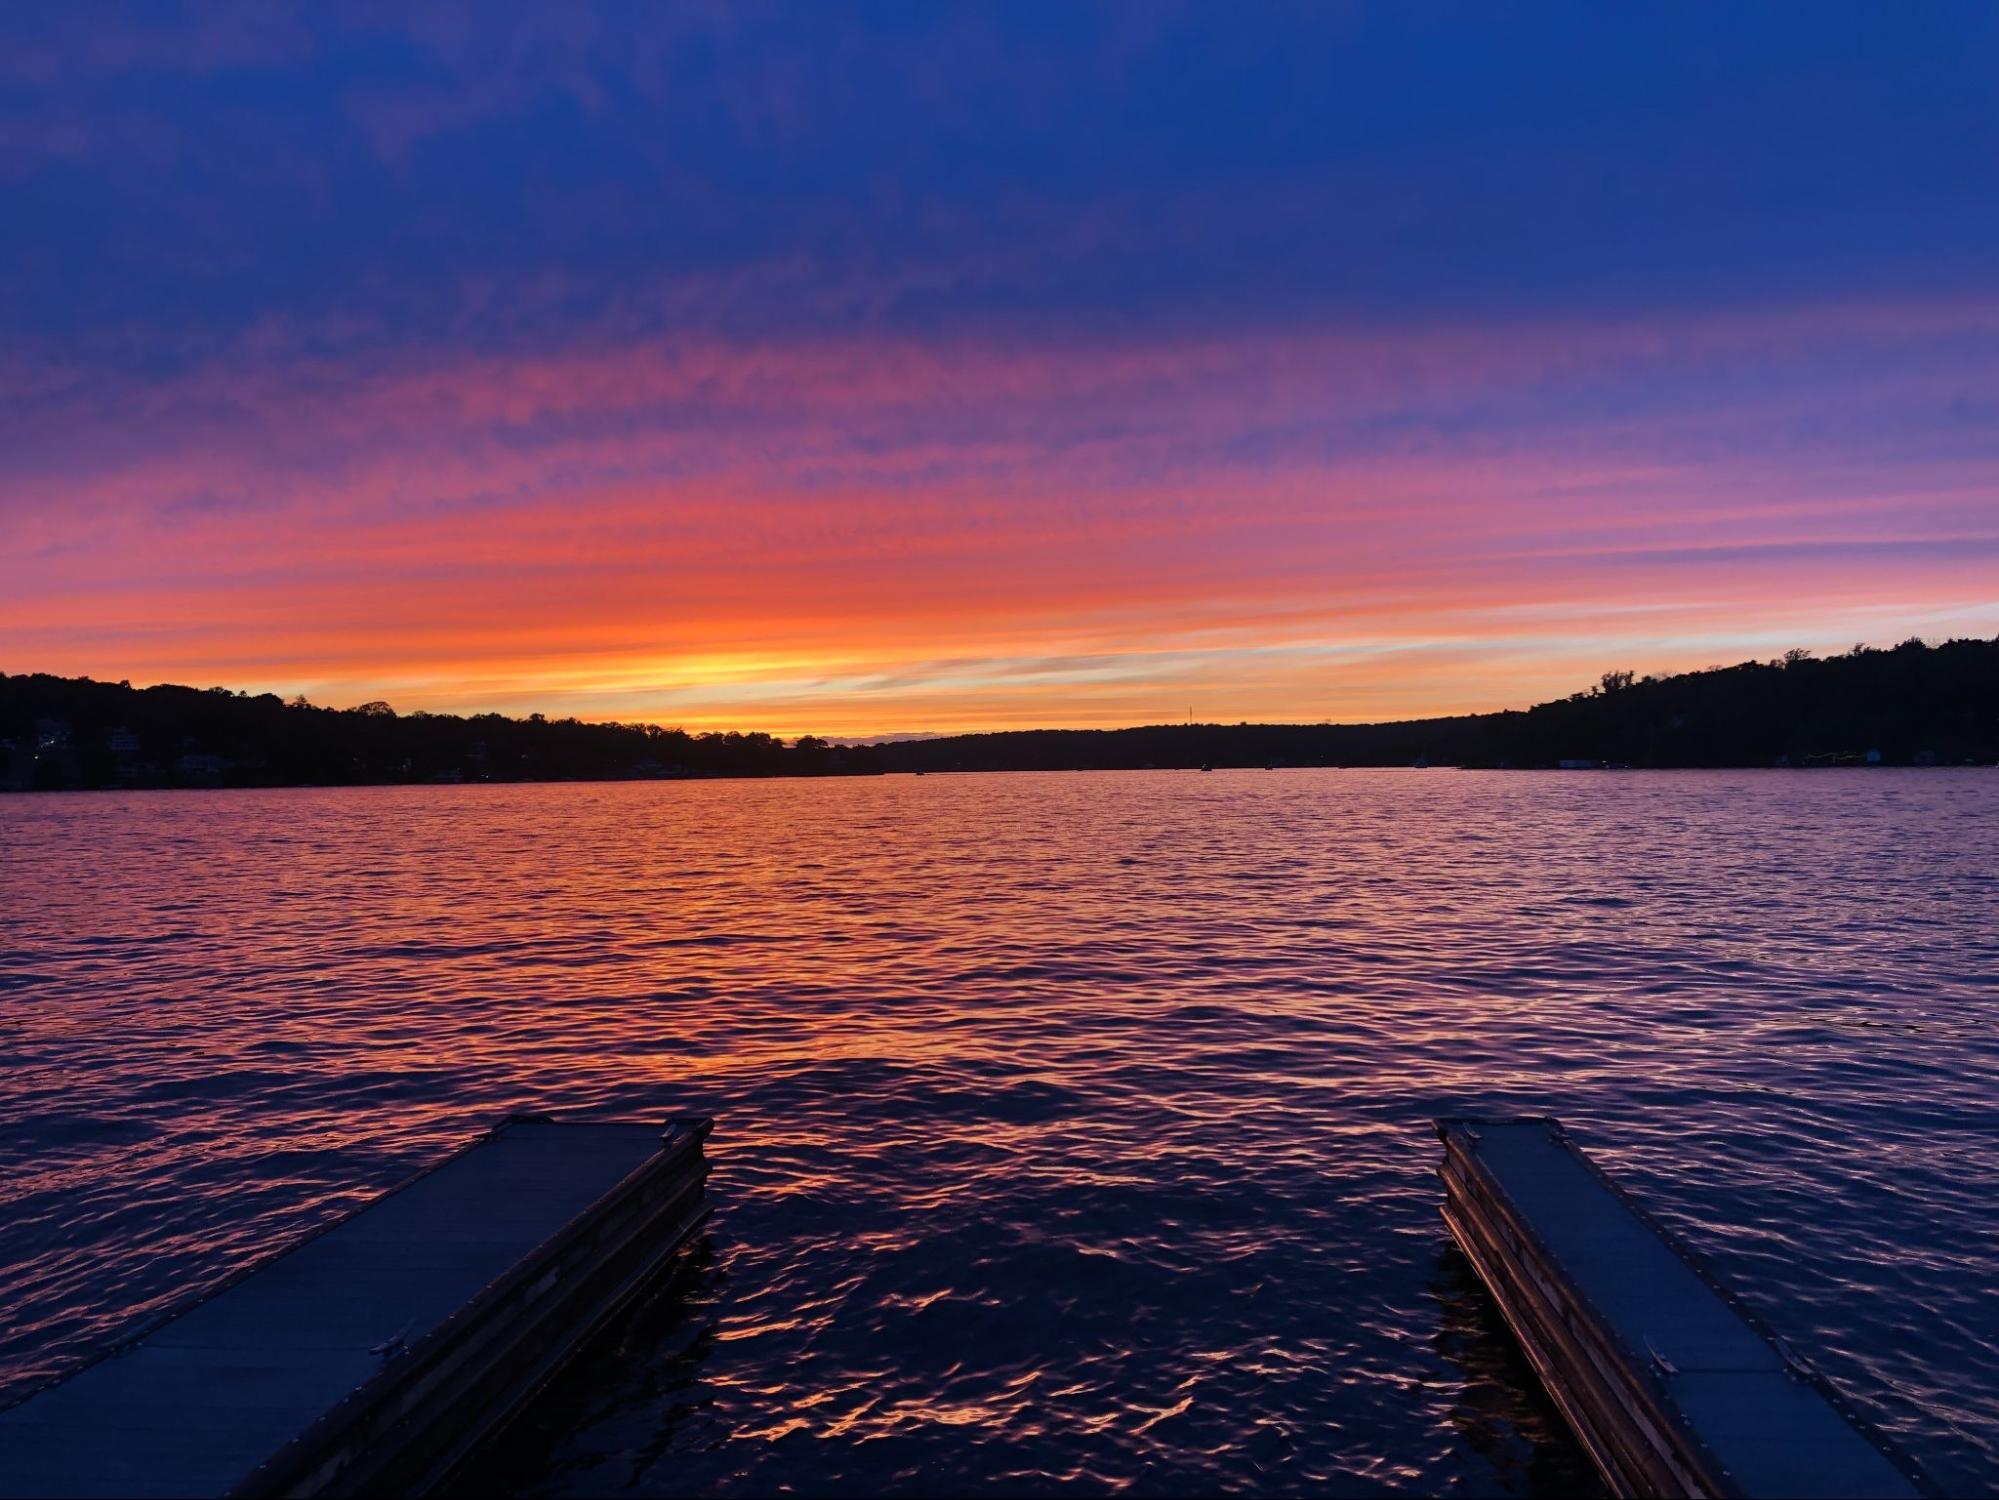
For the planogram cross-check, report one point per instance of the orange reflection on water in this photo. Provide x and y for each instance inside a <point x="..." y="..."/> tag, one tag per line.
<point x="1072" y="1129"/>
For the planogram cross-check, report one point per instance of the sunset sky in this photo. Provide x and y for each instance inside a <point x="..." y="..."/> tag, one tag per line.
<point x="913" y="368"/>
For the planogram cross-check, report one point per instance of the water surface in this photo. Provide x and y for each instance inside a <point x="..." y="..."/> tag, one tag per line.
<point x="1072" y="1128"/>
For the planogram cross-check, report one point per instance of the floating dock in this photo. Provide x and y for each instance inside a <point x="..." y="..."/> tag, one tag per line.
<point x="1671" y="1385"/>
<point x="375" y="1356"/>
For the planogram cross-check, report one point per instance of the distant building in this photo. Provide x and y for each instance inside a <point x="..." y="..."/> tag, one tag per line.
<point x="198" y="769"/>
<point x="1577" y="765"/>
<point x="53" y="763"/>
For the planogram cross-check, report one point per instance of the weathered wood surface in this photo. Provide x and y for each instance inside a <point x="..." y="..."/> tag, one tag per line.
<point x="1670" y="1384"/>
<point x="375" y="1355"/>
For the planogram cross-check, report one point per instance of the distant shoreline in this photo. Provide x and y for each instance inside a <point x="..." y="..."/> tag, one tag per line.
<point x="593" y="781"/>
<point x="1910" y="705"/>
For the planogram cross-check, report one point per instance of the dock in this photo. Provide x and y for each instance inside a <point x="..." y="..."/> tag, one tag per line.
<point x="376" y="1355"/>
<point x="1671" y="1385"/>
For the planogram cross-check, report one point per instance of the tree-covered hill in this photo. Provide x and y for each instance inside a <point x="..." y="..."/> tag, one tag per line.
<point x="1913" y="704"/>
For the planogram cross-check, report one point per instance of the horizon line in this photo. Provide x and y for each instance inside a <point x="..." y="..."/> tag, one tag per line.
<point x="889" y="737"/>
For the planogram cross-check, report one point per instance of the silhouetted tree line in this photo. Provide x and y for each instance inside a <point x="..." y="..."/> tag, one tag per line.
<point x="1910" y="705"/>
<point x="59" y="732"/>
<point x="1913" y="704"/>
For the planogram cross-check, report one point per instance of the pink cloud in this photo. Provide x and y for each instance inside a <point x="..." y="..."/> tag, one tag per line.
<point x="1478" y="515"/>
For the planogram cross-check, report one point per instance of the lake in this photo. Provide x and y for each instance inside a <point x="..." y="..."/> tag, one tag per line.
<point x="1072" y="1130"/>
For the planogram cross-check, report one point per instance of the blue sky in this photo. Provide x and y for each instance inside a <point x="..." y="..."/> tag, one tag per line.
<point x="1249" y="306"/>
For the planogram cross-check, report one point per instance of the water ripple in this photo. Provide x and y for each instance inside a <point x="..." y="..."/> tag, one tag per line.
<point x="1072" y="1128"/>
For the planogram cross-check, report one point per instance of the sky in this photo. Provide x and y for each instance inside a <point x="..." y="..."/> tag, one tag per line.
<point x="914" y="368"/>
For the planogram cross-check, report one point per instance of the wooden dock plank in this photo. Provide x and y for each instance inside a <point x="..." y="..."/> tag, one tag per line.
<point x="181" y="1465"/>
<point x="1632" y="1275"/>
<point x="445" y="1300"/>
<point x="133" y="1415"/>
<point x="1673" y="1387"/>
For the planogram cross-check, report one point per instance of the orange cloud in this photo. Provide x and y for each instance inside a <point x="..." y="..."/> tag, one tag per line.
<point x="864" y="537"/>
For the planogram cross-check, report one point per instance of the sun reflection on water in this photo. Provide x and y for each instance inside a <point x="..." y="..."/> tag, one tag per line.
<point x="1071" y="1129"/>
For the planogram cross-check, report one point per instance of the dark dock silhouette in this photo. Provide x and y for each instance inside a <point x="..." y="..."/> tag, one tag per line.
<point x="376" y="1355"/>
<point x="1671" y="1386"/>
